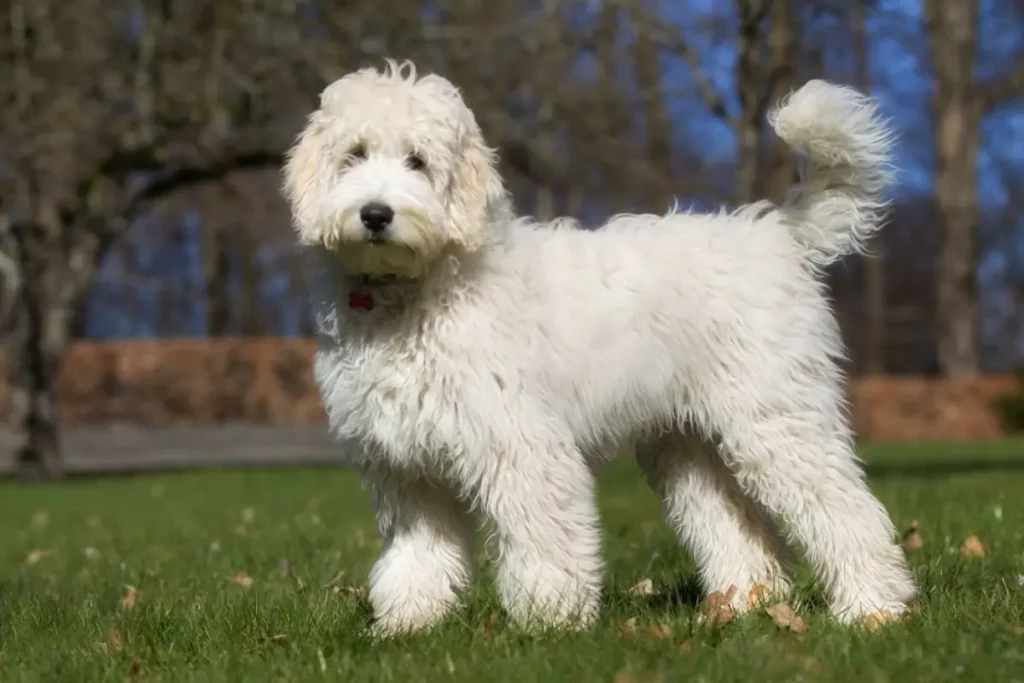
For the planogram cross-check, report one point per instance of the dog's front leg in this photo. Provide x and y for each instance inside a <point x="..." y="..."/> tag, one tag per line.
<point x="428" y="552"/>
<point x="541" y="501"/>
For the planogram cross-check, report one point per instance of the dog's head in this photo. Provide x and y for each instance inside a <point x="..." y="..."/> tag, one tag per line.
<point x="391" y="171"/>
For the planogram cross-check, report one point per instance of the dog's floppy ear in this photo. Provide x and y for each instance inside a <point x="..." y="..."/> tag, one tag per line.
<point x="302" y="177"/>
<point x="477" y="193"/>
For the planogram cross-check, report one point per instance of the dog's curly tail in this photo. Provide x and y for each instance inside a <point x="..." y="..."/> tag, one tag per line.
<point x="839" y="204"/>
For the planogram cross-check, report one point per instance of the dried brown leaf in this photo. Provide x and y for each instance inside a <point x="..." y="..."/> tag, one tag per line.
<point x="717" y="607"/>
<point x="972" y="547"/>
<point x="758" y="595"/>
<point x="624" y="676"/>
<point x="876" y="620"/>
<point x="644" y="587"/>
<point x="248" y="515"/>
<point x="492" y="628"/>
<point x="114" y="640"/>
<point x="242" y="579"/>
<point x="354" y="591"/>
<point x="626" y="627"/>
<point x="912" y="538"/>
<point x="136" y="669"/>
<point x="34" y="556"/>
<point x="130" y="597"/>
<point x="660" y="631"/>
<point x="784" y="617"/>
<point x="687" y="647"/>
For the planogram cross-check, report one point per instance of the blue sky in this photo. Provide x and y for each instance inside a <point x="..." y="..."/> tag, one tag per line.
<point x="900" y="75"/>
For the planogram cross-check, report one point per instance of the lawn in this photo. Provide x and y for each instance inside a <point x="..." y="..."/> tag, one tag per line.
<point x="257" y="576"/>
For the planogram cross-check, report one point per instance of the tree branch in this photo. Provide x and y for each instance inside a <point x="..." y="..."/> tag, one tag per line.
<point x="1006" y="87"/>
<point x="675" y="44"/>
<point x="192" y="176"/>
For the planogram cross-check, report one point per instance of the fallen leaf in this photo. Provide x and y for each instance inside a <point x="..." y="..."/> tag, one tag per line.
<point x="784" y="617"/>
<point x="40" y="519"/>
<point x="624" y="676"/>
<point x="114" y="640"/>
<point x="35" y="556"/>
<point x="91" y="553"/>
<point x="644" y="587"/>
<point x="687" y="647"/>
<point x="355" y="591"/>
<point x="660" y="631"/>
<point x="813" y="666"/>
<point x="242" y="579"/>
<point x="912" y="539"/>
<point x="136" y="668"/>
<point x="129" y="599"/>
<point x="876" y="620"/>
<point x="717" y="607"/>
<point x="492" y="627"/>
<point x="248" y="515"/>
<point x="626" y="627"/>
<point x="758" y="595"/>
<point x="972" y="547"/>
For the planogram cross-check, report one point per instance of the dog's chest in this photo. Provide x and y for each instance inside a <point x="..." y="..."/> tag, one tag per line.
<point x="394" y="402"/>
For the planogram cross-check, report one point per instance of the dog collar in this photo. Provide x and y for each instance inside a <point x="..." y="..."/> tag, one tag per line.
<point x="361" y="299"/>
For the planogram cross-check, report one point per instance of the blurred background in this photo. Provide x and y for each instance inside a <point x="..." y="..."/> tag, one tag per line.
<point x="150" y="280"/>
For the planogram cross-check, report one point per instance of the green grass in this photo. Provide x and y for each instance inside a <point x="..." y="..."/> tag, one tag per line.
<point x="307" y="540"/>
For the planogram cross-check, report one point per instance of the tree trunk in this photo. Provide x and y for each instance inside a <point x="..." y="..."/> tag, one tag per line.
<point x="780" y="173"/>
<point x="873" y="350"/>
<point x="253" y="314"/>
<point x="657" y="124"/>
<point x="217" y="269"/>
<point x="952" y="33"/>
<point x="748" y="83"/>
<point x="56" y="259"/>
<point x="37" y="340"/>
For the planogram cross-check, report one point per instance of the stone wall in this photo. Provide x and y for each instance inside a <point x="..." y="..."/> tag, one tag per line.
<point x="269" y="381"/>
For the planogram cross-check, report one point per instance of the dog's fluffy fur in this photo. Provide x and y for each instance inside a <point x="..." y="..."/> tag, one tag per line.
<point x="502" y="360"/>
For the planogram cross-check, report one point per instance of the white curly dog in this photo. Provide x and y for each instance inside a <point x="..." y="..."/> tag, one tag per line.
<point x="477" y="365"/>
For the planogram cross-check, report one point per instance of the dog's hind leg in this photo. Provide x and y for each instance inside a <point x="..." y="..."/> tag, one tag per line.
<point x="733" y="541"/>
<point x="798" y="462"/>
<point x="428" y="552"/>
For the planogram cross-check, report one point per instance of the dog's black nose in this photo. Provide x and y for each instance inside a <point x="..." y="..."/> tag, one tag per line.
<point x="376" y="216"/>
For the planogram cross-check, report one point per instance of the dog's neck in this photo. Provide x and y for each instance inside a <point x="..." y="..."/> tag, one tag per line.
<point x="367" y="292"/>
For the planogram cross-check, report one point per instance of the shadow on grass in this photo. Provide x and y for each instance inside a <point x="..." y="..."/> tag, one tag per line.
<point x="926" y="469"/>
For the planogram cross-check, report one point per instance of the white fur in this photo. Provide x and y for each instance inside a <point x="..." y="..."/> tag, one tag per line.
<point x="506" y="359"/>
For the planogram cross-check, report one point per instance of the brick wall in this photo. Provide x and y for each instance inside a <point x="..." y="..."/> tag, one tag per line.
<point x="269" y="381"/>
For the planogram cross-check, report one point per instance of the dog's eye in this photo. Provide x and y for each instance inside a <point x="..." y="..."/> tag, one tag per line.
<point x="357" y="153"/>
<point x="415" y="162"/>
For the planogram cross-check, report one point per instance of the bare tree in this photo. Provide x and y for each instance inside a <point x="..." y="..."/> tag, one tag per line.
<point x="109" y="105"/>
<point x="959" y="104"/>
<point x="873" y="360"/>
